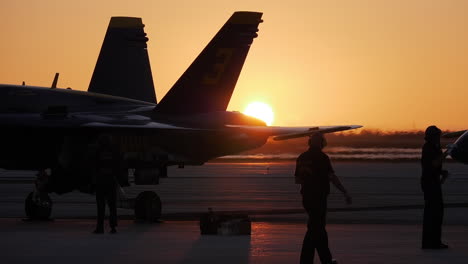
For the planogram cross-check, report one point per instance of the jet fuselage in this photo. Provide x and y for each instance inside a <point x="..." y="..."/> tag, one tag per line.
<point x="34" y="135"/>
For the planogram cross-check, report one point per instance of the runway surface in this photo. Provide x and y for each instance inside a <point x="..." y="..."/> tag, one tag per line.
<point x="383" y="192"/>
<point x="70" y="241"/>
<point x="382" y="226"/>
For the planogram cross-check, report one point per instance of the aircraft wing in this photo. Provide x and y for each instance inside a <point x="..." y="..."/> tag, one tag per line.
<point x="136" y="121"/>
<point x="454" y="134"/>
<point x="283" y="133"/>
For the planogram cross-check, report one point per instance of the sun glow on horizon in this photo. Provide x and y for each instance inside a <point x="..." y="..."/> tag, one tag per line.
<point x="260" y="111"/>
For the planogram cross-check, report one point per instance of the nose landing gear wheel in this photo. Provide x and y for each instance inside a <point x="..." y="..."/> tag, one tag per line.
<point x="147" y="207"/>
<point x="39" y="207"/>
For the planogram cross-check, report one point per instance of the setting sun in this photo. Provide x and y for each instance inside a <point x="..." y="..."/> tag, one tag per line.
<point x="261" y="111"/>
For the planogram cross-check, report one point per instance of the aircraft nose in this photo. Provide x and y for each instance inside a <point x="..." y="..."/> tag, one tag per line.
<point x="459" y="150"/>
<point x="458" y="154"/>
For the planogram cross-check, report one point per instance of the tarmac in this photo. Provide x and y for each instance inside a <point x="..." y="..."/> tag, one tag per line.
<point x="382" y="226"/>
<point x="71" y="241"/>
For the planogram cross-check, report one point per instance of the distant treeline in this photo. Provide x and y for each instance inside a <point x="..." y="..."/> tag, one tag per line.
<point x="363" y="138"/>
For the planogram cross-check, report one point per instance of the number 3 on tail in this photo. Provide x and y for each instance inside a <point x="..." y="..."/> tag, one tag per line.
<point x="223" y="56"/>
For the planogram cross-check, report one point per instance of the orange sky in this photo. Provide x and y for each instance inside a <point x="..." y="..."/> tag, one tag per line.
<point x="391" y="65"/>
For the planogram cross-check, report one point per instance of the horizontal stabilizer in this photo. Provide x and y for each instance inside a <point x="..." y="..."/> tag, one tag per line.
<point x="315" y="130"/>
<point x="123" y="68"/>
<point x="284" y="133"/>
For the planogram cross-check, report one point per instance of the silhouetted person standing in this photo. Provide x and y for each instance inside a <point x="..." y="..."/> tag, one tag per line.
<point x="107" y="169"/>
<point x="432" y="177"/>
<point x="314" y="172"/>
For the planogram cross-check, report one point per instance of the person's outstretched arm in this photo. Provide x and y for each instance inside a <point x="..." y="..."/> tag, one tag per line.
<point x="336" y="181"/>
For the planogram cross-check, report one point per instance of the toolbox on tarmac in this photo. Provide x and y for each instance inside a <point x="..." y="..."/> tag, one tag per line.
<point x="224" y="224"/>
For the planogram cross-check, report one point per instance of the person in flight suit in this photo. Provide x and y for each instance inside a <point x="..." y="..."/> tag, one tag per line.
<point x="432" y="177"/>
<point x="314" y="172"/>
<point x="106" y="184"/>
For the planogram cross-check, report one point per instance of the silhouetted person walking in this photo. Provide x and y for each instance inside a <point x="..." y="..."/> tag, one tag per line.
<point x="107" y="169"/>
<point x="432" y="177"/>
<point x="314" y="172"/>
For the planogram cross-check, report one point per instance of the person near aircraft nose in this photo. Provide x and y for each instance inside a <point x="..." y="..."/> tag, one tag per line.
<point x="432" y="177"/>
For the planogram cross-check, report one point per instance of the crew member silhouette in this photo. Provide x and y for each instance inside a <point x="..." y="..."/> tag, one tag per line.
<point x="314" y="172"/>
<point x="432" y="177"/>
<point x="107" y="169"/>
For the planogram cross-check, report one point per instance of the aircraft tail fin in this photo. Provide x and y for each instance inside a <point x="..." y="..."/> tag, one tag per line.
<point x="208" y="83"/>
<point x="123" y="67"/>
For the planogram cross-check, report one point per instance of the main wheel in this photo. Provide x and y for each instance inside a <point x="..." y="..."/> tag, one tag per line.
<point x="147" y="207"/>
<point x="38" y="209"/>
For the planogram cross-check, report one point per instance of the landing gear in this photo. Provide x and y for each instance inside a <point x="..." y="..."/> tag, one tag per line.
<point x="147" y="204"/>
<point x="38" y="206"/>
<point x="147" y="207"/>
